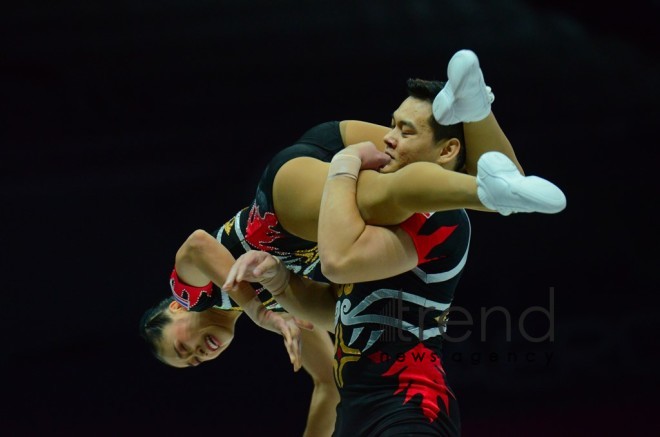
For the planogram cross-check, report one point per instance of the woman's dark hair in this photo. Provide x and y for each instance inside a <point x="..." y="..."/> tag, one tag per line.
<point x="152" y="323"/>
<point x="427" y="90"/>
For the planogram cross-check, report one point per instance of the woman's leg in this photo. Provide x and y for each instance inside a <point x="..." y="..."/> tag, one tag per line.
<point x="466" y="99"/>
<point x="317" y="356"/>
<point x="386" y="199"/>
<point x="383" y="199"/>
<point x="486" y="136"/>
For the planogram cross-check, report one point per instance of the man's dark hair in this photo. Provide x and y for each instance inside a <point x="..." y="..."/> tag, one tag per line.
<point x="427" y="90"/>
<point x="152" y="323"/>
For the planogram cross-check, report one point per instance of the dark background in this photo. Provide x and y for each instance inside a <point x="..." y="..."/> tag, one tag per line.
<point x="126" y="125"/>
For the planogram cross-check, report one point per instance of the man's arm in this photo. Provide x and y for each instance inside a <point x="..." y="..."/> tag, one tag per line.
<point x="302" y="297"/>
<point x="350" y="250"/>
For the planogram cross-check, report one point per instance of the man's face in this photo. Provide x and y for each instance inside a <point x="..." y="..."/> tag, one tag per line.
<point x="411" y="138"/>
<point x="192" y="338"/>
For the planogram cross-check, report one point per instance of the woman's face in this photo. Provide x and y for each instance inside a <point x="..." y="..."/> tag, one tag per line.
<point x="194" y="337"/>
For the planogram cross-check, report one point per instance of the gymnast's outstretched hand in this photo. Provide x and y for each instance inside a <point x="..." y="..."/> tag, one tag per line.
<point x="262" y="267"/>
<point x="290" y="328"/>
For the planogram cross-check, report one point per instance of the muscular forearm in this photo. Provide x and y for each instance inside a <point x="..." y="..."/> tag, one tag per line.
<point x="350" y="250"/>
<point x="340" y="225"/>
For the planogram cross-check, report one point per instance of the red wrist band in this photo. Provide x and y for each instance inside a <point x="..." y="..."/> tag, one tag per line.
<point x="187" y="295"/>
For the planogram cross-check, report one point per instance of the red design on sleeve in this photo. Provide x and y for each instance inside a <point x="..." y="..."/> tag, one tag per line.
<point x="425" y="243"/>
<point x="188" y="296"/>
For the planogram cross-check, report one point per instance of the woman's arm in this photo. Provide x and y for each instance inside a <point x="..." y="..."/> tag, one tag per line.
<point x="311" y="300"/>
<point x="202" y="259"/>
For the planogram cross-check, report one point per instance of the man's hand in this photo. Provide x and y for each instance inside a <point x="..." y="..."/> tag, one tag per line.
<point x="371" y="157"/>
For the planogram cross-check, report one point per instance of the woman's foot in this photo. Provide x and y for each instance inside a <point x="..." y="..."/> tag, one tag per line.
<point x="465" y="97"/>
<point x="502" y="188"/>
